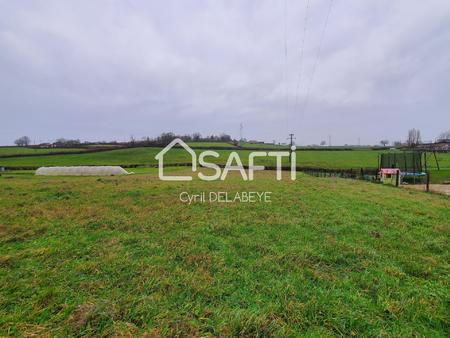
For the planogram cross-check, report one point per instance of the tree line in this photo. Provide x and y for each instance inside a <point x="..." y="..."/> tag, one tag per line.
<point x="414" y="139"/>
<point x="162" y="139"/>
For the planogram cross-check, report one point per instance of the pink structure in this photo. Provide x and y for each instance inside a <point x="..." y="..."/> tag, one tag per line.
<point x="390" y="173"/>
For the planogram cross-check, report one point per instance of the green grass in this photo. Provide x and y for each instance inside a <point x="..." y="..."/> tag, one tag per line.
<point x="439" y="176"/>
<point x="31" y="151"/>
<point x="265" y="146"/>
<point x="145" y="155"/>
<point x="211" y="144"/>
<point x="101" y="145"/>
<point x="123" y="256"/>
<point x="443" y="160"/>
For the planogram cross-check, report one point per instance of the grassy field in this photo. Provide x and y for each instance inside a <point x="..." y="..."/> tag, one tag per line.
<point x="31" y="151"/>
<point x="146" y="156"/>
<point x="143" y="156"/>
<point x="265" y="146"/>
<point x="211" y="144"/>
<point x="443" y="160"/>
<point x="123" y="256"/>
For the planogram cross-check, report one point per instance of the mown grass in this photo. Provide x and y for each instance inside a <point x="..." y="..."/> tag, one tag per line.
<point x="123" y="256"/>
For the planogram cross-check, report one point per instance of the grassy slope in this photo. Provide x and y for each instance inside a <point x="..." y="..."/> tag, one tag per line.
<point x="123" y="256"/>
<point x="29" y="151"/>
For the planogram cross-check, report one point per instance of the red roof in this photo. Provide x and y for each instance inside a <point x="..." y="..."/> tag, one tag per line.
<point x="389" y="170"/>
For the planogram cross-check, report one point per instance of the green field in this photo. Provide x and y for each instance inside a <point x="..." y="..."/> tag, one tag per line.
<point x="31" y="151"/>
<point x="211" y="144"/>
<point x="123" y="256"/>
<point x="265" y="145"/>
<point x="146" y="156"/>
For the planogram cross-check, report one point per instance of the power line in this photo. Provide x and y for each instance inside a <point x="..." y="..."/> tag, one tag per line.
<point x="316" y="61"/>
<point x="286" y="64"/>
<point x="302" y="49"/>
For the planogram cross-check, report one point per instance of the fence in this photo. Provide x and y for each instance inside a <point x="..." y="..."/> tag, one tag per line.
<point x="360" y="173"/>
<point x="406" y="161"/>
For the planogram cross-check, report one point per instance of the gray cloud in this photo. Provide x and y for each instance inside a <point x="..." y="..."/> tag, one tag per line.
<point x="110" y="69"/>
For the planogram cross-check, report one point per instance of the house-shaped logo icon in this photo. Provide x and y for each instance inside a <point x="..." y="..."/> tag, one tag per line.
<point x="233" y="163"/>
<point x="160" y="158"/>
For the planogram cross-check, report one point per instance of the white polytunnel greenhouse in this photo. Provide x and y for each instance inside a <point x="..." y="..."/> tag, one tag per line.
<point x="81" y="171"/>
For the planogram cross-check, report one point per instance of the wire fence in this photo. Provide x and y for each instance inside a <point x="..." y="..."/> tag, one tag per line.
<point x="369" y="174"/>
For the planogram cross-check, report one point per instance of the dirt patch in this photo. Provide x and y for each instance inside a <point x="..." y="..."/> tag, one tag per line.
<point x="81" y="315"/>
<point x="438" y="188"/>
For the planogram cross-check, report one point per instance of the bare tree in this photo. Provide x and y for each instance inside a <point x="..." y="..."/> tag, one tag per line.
<point x="384" y="143"/>
<point x="22" y="141"/>
<point x="196" y="136"/>
<point x="397" y="143"/>
<point x="444" y="136"/>
<point x="414" y="138"/>
<point x="323" y="143"/>
<point x="166" y="138"/>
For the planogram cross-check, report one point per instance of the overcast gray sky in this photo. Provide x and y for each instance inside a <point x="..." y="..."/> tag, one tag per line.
<point x="104" y="70"/>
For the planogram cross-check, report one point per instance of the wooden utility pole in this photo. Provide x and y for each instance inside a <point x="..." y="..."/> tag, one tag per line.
<point x="291" y="139"/>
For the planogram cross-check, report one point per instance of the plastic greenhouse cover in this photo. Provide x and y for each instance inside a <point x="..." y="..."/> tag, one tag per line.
<point x="82" y="171"/>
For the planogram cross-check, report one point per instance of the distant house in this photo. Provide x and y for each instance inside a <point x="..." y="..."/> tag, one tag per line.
<point x="440" y="145"/>
<point x="45" y="145"/>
